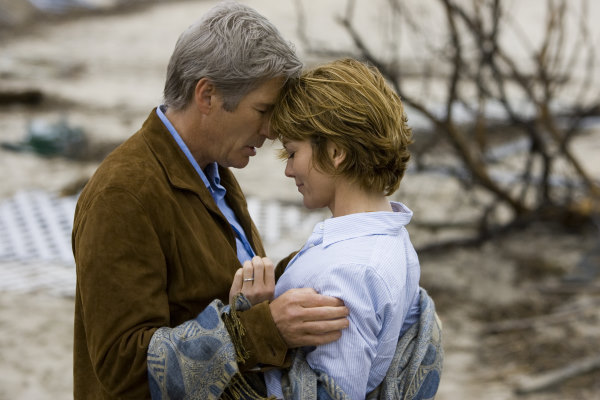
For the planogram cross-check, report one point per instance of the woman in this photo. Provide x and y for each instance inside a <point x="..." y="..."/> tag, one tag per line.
<point x="345" y="138"/>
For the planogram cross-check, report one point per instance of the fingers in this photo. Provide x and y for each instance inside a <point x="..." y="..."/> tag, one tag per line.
<point x="303" y="321"/>
<point x="236" y="286"/>
<point x="257" y="279"/>
<point x="259" y="270"/>
<point x="319" y="328"/>
<point x="307" y="305"/>
<point x="247" y="274"/>
<point x="237" y="281"/>
<point x="324" y="313"/>
<point x="269" y="273"/>
<point x="308" y="297"/>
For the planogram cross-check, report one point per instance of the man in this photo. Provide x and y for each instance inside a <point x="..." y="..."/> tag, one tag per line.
<point x="162" y="227"/>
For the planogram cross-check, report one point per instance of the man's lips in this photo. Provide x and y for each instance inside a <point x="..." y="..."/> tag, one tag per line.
<point x="255" y="146"/>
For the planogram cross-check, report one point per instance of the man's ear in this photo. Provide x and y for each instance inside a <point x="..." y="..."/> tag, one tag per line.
<point x="336" y="153"/>
<point x="204" y="95"/>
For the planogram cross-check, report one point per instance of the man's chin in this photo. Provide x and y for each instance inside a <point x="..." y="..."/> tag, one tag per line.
<point x="239" y="164"/>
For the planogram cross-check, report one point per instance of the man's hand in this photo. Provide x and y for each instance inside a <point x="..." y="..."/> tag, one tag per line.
<point x="256" y="280"/>
<point x="306" y="318"/>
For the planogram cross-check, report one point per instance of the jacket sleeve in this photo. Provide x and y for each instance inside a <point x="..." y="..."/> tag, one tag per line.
<point x="194" y="360"/>
<point x="121" y="278"/>
<point x="197" y="359"/>
<point x="261" y="342"/>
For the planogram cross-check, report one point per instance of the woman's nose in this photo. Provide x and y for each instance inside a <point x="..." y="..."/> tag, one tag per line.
<point x="289" y="172"/>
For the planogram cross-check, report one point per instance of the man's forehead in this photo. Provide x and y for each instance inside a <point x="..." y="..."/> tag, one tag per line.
<point x="269" y="89"/>
<point x="266" y="104"/>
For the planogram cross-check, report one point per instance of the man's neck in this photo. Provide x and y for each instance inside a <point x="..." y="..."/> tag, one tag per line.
<point x="186" y="124"/>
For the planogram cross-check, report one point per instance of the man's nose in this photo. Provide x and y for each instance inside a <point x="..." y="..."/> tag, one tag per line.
<point x="267" y="132"/>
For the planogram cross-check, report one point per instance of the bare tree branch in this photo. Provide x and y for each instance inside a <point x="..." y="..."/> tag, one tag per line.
<point x="479" y="73"/>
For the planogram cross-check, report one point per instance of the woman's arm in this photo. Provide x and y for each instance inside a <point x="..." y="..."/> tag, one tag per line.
<point x="348" y="361"/>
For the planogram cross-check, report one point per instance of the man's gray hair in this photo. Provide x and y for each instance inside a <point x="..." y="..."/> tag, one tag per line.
<point x="234" y="47"/>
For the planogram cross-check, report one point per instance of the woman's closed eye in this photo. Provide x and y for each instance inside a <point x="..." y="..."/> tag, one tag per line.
<point x="287" y="152"/>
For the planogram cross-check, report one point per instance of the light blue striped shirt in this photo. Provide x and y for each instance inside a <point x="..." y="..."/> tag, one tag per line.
<point x="368" y="261"/>
<point x="212" y="181"/>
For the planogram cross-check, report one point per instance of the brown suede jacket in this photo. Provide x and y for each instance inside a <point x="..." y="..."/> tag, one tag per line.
<point x="152" y="249"/>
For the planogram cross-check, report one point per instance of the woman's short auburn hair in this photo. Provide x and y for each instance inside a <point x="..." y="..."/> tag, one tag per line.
<point x="349" y="104"/>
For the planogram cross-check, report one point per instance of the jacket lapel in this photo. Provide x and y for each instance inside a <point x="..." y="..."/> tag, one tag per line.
<point x="237" y="201"/>
<point x="179" y="171"/>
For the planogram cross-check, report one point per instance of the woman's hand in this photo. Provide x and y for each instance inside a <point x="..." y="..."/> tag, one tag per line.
<point x="256" y="280"/>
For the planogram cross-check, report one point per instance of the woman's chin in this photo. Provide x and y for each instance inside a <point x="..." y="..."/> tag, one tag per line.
<point x="311" y="205"/>
<point x="307" y="203"/>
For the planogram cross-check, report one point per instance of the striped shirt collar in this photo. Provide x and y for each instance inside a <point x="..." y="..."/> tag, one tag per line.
<point x="351" y="226"/>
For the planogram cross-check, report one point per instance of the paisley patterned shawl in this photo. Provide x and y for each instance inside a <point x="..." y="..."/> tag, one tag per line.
<point x="198" y="360"/>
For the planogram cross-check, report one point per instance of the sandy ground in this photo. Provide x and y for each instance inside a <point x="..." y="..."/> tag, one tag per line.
<point x="105" y="73"/>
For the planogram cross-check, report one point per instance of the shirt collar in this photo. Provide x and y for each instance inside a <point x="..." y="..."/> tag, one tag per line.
<point x="351" y="226"/>
<point x="212" y="174"/>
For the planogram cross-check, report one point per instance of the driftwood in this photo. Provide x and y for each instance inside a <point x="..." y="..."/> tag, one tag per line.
<point x="27" y="96"/>
<point x="530" y="384"/>
<point x="546" y="319"/>
<point x="569" y="288"/>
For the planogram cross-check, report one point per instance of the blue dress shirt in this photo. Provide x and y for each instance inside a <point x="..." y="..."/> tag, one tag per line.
<point x="212" y="180"/>
<point x="368" y="261"/>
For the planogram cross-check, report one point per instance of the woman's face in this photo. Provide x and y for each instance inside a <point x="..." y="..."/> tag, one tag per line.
<point x="317" y="188"/>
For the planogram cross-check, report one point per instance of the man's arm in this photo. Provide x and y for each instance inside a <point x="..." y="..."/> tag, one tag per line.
<point x="197" y="358"/>
<point x="121" y="283"/>
<point x="298" y="317"/>
<point x="193" y="360"/>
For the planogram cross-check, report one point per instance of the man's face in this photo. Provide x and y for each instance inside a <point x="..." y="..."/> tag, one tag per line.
<point x="237" y="134"/>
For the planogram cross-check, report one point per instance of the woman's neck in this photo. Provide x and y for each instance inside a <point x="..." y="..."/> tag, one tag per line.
<point x="350" y="199"/>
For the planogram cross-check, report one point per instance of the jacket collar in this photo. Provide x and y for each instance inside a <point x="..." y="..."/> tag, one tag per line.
<point x="178" y="169"/>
